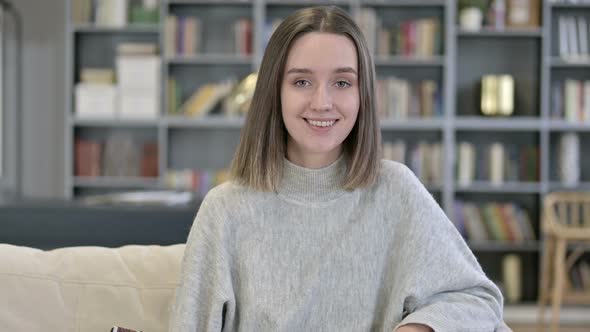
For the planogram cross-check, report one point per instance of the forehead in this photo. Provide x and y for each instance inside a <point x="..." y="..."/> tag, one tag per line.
<point x="320" y="50"/>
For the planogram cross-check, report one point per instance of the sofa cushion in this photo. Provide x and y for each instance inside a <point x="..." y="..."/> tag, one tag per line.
<point x="87" y="288"/>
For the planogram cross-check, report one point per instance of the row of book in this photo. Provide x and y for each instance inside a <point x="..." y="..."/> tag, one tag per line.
<point x="117" y="156"/>
<point x="570" y="100"/>
<point x="134" y="94"/>
<point x="573" y="37"/>
<point x="401" y="99"/>
<point x="493" y="221"/>
<point x="201" y="102"/>
<point x="198" y="181"/>
<point x="579" y="276"/>
<point x="425" y="159"/>
<point x="233" y="96"/>
<point x="418" y="37"/>
<point x="496" y="163"/>
<point x="184" y="37"/>
<point x="115" y="13"/>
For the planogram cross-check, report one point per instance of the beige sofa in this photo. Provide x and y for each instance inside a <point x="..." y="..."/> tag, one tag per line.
<point x="87" y="289"/>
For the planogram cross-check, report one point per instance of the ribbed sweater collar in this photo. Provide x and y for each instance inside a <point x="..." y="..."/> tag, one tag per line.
<point x="306" y="185"/>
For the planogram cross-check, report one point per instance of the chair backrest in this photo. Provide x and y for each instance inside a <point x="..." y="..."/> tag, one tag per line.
<point x="567" y="214"/>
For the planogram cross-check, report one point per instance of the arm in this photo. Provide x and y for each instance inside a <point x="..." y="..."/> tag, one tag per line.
<point x="445" y="287"/>
<point x="205" y="281"/>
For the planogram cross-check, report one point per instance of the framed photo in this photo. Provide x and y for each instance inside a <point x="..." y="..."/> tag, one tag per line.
<point x="523" y="13"/>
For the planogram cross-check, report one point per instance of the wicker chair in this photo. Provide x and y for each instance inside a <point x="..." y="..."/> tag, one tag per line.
<point x="566" y="225"/>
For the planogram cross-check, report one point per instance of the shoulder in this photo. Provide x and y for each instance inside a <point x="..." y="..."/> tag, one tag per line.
<point x="395" y="176"/>
<point x="230" y="197"/>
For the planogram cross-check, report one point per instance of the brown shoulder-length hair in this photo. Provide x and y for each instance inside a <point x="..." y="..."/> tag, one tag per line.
<point x="258" y="161"/>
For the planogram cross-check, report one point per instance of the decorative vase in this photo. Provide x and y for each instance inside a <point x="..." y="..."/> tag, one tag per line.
<point x="471" y="19"/>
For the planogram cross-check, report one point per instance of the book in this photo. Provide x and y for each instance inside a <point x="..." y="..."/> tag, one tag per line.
<point x="95" y="101"/>
<point x="204" y="100"/>
<point x="497" y="160"/>
<point x="87" y="157"/>
<point x="466" y="164"/>
<point x="171" y="26"/>
<point x="512" y="277"/>
<point x="149" y="160"/>
<point x="563" y="36"/>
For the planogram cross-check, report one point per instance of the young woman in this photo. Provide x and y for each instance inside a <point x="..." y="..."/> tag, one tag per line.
<point x="315" y="232"/>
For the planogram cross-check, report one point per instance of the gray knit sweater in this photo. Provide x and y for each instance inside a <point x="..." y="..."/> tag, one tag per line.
<point x="314" y="257"/>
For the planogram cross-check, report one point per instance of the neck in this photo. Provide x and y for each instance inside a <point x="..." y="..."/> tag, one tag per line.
<point x="306" y="185"/>
<point x="312" y="160"/>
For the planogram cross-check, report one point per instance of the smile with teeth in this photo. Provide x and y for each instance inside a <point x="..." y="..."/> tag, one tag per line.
<point x="329" y="123"/>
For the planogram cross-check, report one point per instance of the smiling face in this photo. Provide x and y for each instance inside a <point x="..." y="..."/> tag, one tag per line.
<point x="319" y="97"/>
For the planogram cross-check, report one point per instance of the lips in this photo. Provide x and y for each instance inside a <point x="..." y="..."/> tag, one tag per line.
<point x="321" y="123"/>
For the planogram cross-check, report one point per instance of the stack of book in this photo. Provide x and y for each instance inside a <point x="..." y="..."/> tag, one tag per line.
<point x="570" y="100"/>
<point x="202" y="101"/>
<point x="413" y="38"/>
<point x="498" y="163"/>
<point x="184" y="37"/>
<point x="401" y="99"/>
<point x="138" y="72"/>
<point x="96" y="94"/>
<point x="573" y="38"/>
<point x="117" y="156"/>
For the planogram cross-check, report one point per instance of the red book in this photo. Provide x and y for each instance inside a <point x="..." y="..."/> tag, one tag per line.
<point x="87" y="158"/>
<point x="149" y="160"/>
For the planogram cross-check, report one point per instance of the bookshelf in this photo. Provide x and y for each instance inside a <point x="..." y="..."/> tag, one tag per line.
<point x="530" y="55"/>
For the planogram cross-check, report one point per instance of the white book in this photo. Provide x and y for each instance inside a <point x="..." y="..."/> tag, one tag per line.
<point x="497" y="157"/>
<point x="138" y="105"/>
<point x="569" y="159"/>
<point x="563" y="37"/>
<point x="583" y="37"/>
<point x="95" y="101"/>
<point x="466" y="169"/>
<point x="139" y="73"/>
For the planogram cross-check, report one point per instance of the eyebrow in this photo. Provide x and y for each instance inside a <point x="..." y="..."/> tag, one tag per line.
<point x="309" y="71"/>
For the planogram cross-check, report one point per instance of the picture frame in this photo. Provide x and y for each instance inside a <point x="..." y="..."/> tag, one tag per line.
<point x="523" y="13"/>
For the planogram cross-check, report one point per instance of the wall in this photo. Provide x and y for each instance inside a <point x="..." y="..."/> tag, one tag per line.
<point x="43" y="102"/>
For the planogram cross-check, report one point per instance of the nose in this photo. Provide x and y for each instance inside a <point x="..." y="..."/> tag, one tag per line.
<point x="321" y="100"/>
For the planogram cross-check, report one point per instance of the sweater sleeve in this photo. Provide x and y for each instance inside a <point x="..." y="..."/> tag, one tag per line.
<point x="444" y="285"/>
<point x="204" y="292"/>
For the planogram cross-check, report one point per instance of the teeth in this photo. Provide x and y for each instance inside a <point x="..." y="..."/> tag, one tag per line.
<point x="322" y="123"/>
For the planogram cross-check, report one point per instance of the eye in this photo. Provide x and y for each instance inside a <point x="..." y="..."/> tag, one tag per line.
<point x="301" y="83"/>
<point x="343" y="84"/>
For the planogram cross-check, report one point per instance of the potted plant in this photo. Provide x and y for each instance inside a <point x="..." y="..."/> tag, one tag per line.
<point x="471" y="14"/>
